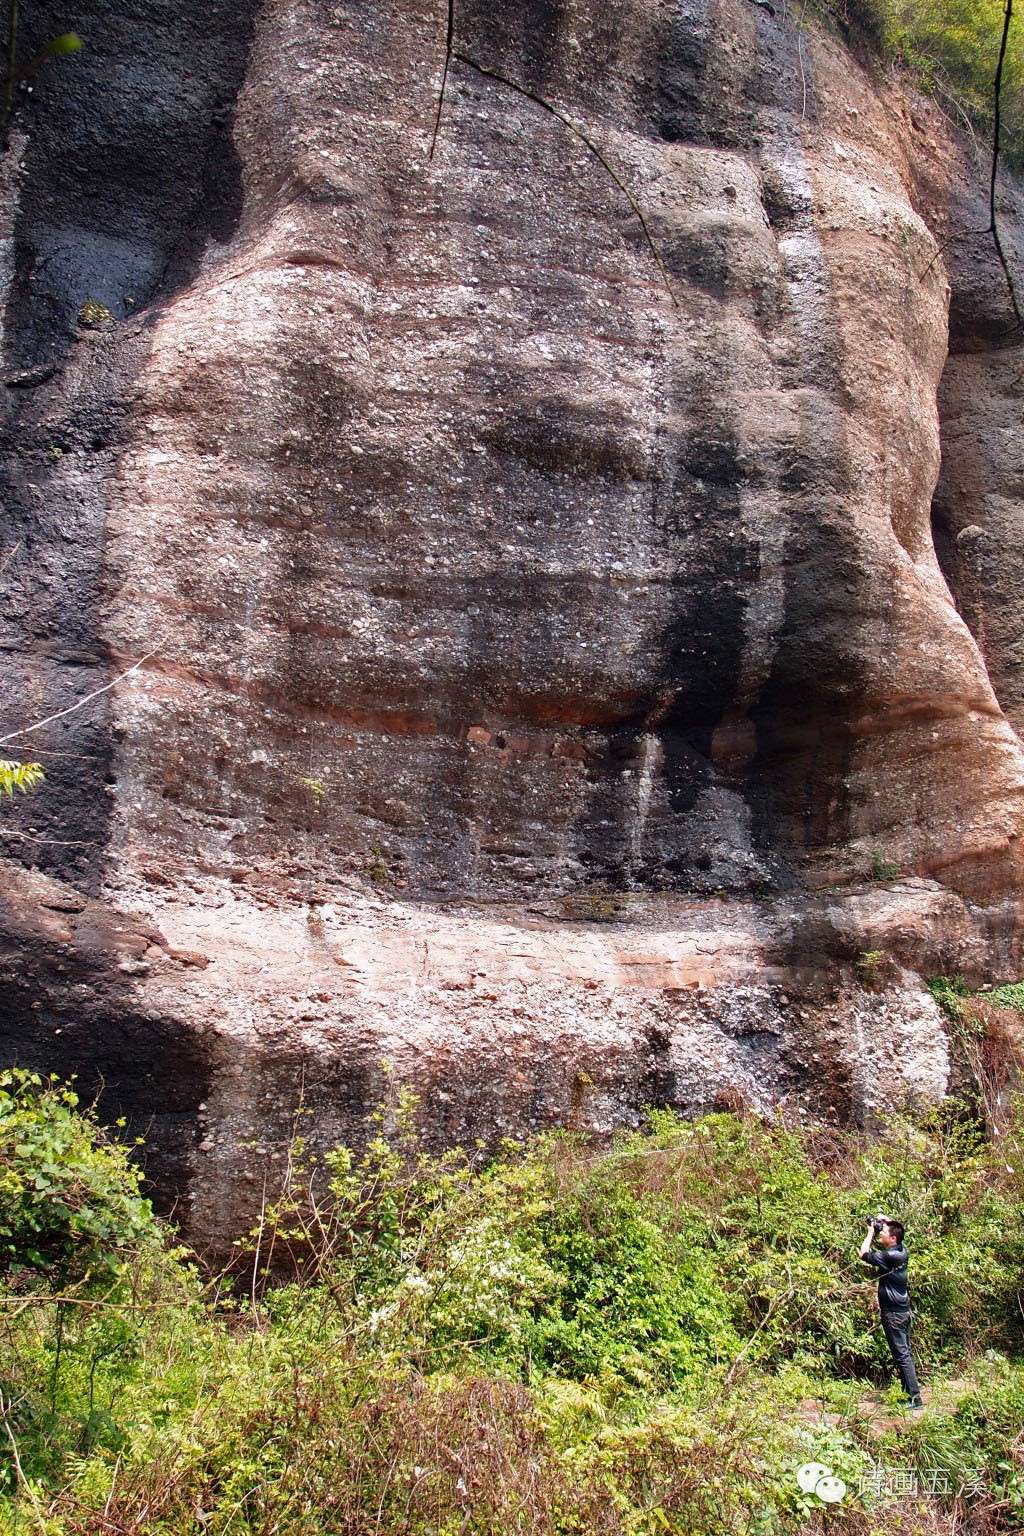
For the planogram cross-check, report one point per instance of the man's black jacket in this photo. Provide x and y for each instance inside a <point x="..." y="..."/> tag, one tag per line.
<point x="893" y="1294"/>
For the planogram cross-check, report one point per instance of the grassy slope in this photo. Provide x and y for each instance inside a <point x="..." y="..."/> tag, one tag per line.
<point x="950" y="48"/>
<point x="642" y="1339"/>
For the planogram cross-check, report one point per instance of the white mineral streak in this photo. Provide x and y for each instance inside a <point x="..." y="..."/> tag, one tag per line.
<point x="10" y="176"/>
<point x="650" y="753"/>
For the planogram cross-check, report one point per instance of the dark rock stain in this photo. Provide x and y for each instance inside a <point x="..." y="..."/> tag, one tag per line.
<point x="678" y="105"/>
<point x="706" y="640"/>
<point x="816" y="685"/>
<point x="128" y="174"/>
<point x="716" y="63"/>
<point x="67" y="1006"/>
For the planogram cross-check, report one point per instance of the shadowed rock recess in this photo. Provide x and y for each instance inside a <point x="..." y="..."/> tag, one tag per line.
<point x="545" y="635"/>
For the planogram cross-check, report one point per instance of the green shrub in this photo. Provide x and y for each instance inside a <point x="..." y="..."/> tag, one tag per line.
<point x="19" y="776"/>
<point x="975" y="1446"/>
<point x="672" y="1253"/>
<point x="883" y="869"/>
<point x="1009" y="996"/>
<point x="950" y="992"/>
<point x="950" y="47"/>
<point x="70" y="1202"/>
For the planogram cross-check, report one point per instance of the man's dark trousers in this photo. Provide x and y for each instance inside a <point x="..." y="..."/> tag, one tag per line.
<point x="896" y="1326"/>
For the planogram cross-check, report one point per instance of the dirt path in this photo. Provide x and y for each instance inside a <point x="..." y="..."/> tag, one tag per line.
<point x="878" y="1417"/>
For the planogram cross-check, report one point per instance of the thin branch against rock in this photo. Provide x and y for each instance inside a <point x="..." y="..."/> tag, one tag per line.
<point x="26" y="730"/>
<point x="949" y="95"/>
<point x="48" y="842"/>
<point x="567" y="122"/>
<point x="944" y="245"/>
<point x="65" y="43"/>
<point x="800" y="57"/>
<point x="5" y="562"/>
<point x="451" y="52"/>
<point x="993" y="227"/>
<point x="449" y="42"/>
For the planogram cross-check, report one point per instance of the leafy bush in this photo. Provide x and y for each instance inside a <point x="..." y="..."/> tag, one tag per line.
<point x="949" y="992"/>
<point x="1009" y="996"/>
<point x="983" y="1433"/>
<point x="669" y="1254"/>
<point x="987" y="1037"/>
<point x="71" y="1211"/>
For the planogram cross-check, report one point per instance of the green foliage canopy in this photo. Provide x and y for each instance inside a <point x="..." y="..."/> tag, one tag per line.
<point x="951" y="47"/>
<point x="71" y="1210"/>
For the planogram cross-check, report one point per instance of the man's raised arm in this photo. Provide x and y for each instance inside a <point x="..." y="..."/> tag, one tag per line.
<point x="865" y="1247"/>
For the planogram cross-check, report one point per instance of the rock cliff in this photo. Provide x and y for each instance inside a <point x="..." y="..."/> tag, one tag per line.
<point x="556" y="476"/>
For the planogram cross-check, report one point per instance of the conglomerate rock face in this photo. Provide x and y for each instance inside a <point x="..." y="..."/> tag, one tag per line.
<point x="520" y="500"/>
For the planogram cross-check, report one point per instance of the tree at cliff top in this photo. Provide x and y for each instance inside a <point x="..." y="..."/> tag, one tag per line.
<point x="952" y="47"/>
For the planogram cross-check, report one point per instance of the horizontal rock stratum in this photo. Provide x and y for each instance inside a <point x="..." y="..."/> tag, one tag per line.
<point x="555" y="477"/>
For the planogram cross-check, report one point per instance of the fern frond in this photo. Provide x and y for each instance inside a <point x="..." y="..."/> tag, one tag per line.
<point x="20" y="776"/>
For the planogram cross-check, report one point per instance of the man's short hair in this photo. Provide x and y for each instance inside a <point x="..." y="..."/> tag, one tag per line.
<point x="896" y="1228"/>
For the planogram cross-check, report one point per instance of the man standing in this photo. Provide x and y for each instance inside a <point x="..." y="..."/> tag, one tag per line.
<point x="893" y="1297"/>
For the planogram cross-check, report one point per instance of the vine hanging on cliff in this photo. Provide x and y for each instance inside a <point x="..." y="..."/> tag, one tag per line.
<point x="451" y="52"/>
<point x="493" y="74"/>
<point x="37" y="725"/>
<point x="993" y="226"/>
<point x="444" y="76"/>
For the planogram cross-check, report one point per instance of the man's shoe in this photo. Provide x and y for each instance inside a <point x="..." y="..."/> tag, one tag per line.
<point x="915" y="1402"/>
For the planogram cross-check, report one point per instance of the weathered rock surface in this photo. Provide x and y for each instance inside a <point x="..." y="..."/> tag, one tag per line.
<point x="544" y="634"/>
